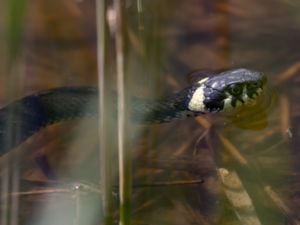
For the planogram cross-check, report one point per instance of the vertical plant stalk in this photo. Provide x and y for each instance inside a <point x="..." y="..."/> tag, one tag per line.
<point x="124" y="155"/>
<point x="104" y="126"/>
<point x="140" y="15"/>
<point x="15" y="29"/>
<point x="223" y="36"/>
<point x="10" y="178"/>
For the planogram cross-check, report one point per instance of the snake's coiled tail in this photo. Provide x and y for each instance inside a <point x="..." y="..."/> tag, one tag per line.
<point x="22" y="118"/>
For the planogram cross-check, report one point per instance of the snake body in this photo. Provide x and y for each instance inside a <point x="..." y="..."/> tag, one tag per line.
<point x="220" y="92"/>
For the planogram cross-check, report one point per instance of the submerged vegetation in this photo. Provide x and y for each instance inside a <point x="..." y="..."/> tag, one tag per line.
<point x="207" y="170"/>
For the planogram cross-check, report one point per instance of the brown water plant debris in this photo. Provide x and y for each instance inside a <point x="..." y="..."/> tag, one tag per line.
<point x="238" y="197"/>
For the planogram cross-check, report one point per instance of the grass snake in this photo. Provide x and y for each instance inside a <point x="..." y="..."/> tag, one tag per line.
<point x="217" y="92"/>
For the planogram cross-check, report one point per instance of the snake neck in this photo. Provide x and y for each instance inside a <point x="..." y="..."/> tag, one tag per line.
<point x="175" y="107"/>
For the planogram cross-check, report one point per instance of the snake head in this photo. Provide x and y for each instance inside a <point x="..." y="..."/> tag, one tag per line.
<point x="227" y="90"/>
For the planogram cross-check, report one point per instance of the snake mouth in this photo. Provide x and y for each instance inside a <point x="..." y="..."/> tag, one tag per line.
<point x="254" y="115"/>
<point x="246" y="97"/>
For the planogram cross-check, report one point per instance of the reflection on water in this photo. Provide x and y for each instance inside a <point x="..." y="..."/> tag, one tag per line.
<point x="176" y="166"/>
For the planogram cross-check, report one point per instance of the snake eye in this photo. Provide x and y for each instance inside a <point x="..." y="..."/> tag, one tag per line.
<point x="253" y="86"/>
<point x="235" y="90"/>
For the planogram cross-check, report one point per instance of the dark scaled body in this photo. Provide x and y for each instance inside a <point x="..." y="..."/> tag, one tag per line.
<point x="22" y="118"/>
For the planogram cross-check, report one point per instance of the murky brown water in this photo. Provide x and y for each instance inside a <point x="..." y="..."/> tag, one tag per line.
<point x="175" y="165"/>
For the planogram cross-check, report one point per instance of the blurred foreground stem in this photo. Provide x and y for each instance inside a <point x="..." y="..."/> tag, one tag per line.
<point x="123" y="150"/>
<point x="105" y="126"/>
<point x="15" y="28"/>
